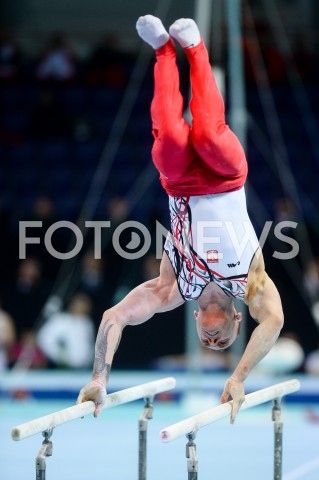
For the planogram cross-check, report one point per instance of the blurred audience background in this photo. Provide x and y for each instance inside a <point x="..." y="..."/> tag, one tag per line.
<point x="75" y="143"/>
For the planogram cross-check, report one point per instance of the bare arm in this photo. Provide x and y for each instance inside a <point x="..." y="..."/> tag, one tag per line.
<point x="264" y="306"/>
<point x="154" y="296"/>
<point x="107" y="342"/>
<point x="269" y="315"/>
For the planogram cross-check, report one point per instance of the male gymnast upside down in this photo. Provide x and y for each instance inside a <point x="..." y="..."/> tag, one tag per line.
<point x="203" y="169"/>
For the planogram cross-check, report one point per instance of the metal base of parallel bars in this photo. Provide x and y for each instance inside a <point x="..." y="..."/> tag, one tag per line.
<point x="45" y="451"/>
<point x="146" y="415"/>
<point x="192" y="462"/>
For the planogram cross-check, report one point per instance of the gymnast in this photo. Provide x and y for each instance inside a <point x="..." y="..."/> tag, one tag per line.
<point x="203" y="169"/>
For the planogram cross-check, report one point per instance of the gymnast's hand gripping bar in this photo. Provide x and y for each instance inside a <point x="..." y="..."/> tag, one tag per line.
<point x="52" y="420"/>
<point x="194" y="423"/>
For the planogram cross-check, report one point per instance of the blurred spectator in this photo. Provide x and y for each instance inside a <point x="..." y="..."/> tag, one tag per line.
<point x="25" y="353"/>
<point x="117" y="210"/>
<point x="208" y="361"/>
<point x="83" y="129"/>
<point x="10" y="57"/>
<point x="153" y="348"/>
<point x="311" y="284"/>
<point x="92" y="276"/>
<point x="312" y="363"/>
<point x="286" y="356"/>
<point x="7" y="338"/>
<point x="58" y="62"/>
<point x="49" y="118"/>
<point x="311" y="279"/>
<point x="151" y="267"/>
<point x="67" y="337"/>
<point x="24" y="299"/>
<point x="92" y="283"/>
<point x="93" y="280"/>
<point x="285" y="210"/>
<point x="44" y="210"/>
<point x="136" y="272"/>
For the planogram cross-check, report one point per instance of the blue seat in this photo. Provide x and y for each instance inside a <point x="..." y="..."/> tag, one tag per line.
<point x="72" y="98"/>
<point x="104" y="99"/>
<point x="26" y="153"/>
<point x="141" y="126"/>
<point x="15" y="121"/>
<point x="100" y="122"/>
<point x="66" y="206"/>
<point x="56" y="152"/>
<point x="87" y="152"/>
<point x="24" y="181"/>
<point x="59" y="178"/>
<point x="17" y="97"/>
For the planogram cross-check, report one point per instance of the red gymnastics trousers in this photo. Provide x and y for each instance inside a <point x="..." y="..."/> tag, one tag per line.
<point x="203" y="159"/>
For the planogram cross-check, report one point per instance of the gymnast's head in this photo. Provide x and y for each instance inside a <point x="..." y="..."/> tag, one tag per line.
<point x="217" y="328"/>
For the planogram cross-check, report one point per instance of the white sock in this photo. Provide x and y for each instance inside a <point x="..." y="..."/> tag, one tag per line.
<point x="186" y="32"/>
<point x="152" y="31"/>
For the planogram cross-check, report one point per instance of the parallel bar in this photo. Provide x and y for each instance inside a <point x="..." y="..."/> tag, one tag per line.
<point x="77" y="411"/>
<point x="198" y="421"/>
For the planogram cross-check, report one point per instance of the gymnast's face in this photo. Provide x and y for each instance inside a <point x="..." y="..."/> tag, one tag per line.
<point x="217" y="329"/>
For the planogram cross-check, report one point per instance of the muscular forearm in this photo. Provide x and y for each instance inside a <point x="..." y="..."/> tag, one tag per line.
<point x="262" y="340"/>
<point x="107" y="341"/>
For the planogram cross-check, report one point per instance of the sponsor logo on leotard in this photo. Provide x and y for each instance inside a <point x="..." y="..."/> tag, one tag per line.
<point x="233" y="265"/>
<point x="212" y="256"/>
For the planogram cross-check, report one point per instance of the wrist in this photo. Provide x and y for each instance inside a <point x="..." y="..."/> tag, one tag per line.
<point x="101" y="375"/>
<point x="241" y="372"/>
<point x="100" y="380"/>
<point x="237" y="377"/>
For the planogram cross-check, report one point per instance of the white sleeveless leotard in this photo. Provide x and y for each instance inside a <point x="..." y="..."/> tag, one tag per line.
<point x="211" y="240"/>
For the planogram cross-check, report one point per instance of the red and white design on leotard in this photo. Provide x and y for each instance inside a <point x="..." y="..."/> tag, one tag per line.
<point x="192" y="272"/>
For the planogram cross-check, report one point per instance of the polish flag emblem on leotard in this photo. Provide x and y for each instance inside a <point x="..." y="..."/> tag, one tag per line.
<point x="212" y="256"/>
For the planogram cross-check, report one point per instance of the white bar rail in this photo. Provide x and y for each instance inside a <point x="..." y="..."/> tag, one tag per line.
<point x="194" y="423"/>
<point x="77" y="411"/>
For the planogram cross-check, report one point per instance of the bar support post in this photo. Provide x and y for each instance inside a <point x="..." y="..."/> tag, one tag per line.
<point x="192" y="462"/>
<point x="278" y="431"/>
<point x="146" y="415"/>
<point x="45" y="451"/>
